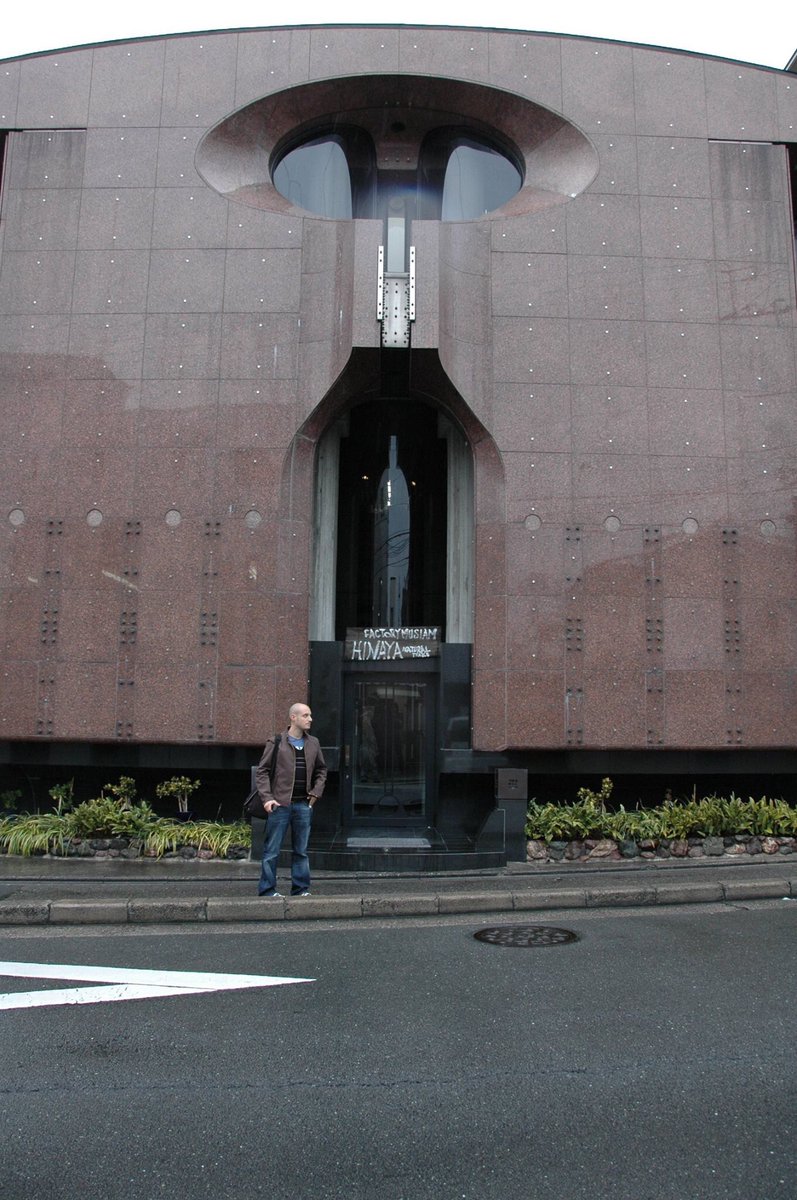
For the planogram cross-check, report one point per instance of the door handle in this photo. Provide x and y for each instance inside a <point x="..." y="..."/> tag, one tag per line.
<point x="347" y="756"/>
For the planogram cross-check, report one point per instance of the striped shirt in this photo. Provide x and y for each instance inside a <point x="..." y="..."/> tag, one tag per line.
<point x="300" y="771"/>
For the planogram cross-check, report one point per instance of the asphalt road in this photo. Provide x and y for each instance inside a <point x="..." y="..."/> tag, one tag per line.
<point x="652" y="1059"/>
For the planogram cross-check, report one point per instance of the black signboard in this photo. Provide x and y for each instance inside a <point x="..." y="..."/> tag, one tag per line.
<point x="392" y="644"/>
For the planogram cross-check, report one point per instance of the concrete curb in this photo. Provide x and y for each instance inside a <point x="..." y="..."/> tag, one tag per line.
<point x="214" y="909"/>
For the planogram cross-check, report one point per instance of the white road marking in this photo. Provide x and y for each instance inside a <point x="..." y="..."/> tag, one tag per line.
<point x="127" y="983"/>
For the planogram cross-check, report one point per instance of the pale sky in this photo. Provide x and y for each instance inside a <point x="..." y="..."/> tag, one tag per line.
<point x="764" y="32"/>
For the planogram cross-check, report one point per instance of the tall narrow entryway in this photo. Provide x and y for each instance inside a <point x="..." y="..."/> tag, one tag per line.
<point x="390" y="605"/>
<point x="392" y="591"/>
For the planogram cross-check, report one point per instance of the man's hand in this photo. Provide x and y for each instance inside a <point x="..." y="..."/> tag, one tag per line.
<point x="270" y="805"/>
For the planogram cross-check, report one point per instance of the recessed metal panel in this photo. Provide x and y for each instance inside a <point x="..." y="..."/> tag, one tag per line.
<point x="511" y="783"/>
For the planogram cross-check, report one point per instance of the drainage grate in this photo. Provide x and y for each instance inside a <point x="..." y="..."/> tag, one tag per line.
<point x="526" y="935"/>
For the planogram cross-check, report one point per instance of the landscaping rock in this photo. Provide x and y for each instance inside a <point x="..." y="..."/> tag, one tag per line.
<point x="736" y="849"/>
<point x="679" y="848"/>
<point x="576" y="849"/>
<point x="714" y="846"/>
<point x="605" y="848"/>
<point x="536" y="851"/>
<point x="628" y="849"/>
<point x="770" y="845"/>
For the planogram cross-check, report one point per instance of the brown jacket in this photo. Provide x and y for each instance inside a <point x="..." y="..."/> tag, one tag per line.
<point x="281" y="788"/>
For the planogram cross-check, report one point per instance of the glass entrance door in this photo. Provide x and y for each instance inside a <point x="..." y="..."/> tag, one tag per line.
<point x="388" y="753"/>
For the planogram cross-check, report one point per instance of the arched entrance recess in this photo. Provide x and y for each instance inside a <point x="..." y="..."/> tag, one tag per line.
<point x="393" y="562"/>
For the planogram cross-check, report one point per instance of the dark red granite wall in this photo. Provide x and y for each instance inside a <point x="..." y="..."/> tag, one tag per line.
<point x="627" y="357"/>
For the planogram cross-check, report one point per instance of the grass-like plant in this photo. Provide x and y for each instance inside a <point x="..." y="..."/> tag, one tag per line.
<point x="216" y="836"/>
<point x="38" y="833"/>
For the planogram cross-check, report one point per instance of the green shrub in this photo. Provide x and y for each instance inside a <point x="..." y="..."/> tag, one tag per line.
<point x="64" y="796"/>
<point x="563" y="822"/>
<point x="634" y="826"/>
<point x="104" y="817"/>
<point x="180" y="788"/>
<point x="124" y="792"/>
<point x="569" y="822"/>
<point x="710" y="816"/>
<point x="9" y="800"/>
<point x="772" y="818"/>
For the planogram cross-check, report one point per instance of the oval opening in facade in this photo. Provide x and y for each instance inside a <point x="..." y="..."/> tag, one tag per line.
<point x="443" y="149"/>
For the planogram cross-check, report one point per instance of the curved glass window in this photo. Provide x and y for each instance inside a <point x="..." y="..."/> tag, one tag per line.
<point x="478" y="180"/>
<point x="461" y="176"/>
<point x="315" y="176"/>
<point x="332" y="174"/>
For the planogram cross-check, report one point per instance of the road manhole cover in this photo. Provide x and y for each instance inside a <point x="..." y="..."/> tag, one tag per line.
<point x="526" y="935"/>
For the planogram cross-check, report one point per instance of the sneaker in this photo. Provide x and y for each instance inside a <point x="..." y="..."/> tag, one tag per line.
<point x="271" y="895"/>
<point x="300" y="894"/>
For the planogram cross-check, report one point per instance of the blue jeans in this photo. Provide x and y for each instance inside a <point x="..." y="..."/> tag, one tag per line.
<point x="299" y="816"/>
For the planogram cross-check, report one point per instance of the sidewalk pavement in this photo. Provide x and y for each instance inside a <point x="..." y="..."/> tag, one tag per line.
<point x="57" y="892"/>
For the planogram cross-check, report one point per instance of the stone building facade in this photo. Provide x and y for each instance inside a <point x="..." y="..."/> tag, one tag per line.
<point x="479" y="344"/>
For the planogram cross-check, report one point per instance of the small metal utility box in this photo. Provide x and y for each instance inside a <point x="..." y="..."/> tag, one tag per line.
<point x="511" y="783"/>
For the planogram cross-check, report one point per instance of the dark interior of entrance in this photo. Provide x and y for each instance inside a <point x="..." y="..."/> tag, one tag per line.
<point x="391" y="518"/>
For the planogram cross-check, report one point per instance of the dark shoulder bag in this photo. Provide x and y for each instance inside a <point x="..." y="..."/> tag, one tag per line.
<point x="253" y="804"/>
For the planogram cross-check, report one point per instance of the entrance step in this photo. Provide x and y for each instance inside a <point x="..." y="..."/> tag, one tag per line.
<point x="389" y="837"/>
<point x="414" y="862"/>
<point x="399" y="850"/>
<point x="369" y="842"/>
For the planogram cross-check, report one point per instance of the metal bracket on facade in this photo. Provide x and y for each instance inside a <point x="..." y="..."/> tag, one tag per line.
<point x="412" y="283"/>
<point x="395" y="306"/>
<point x="380" y="284"/>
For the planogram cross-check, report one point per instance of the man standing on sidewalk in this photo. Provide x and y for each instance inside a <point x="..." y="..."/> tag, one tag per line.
<point x="290" y="777"/>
